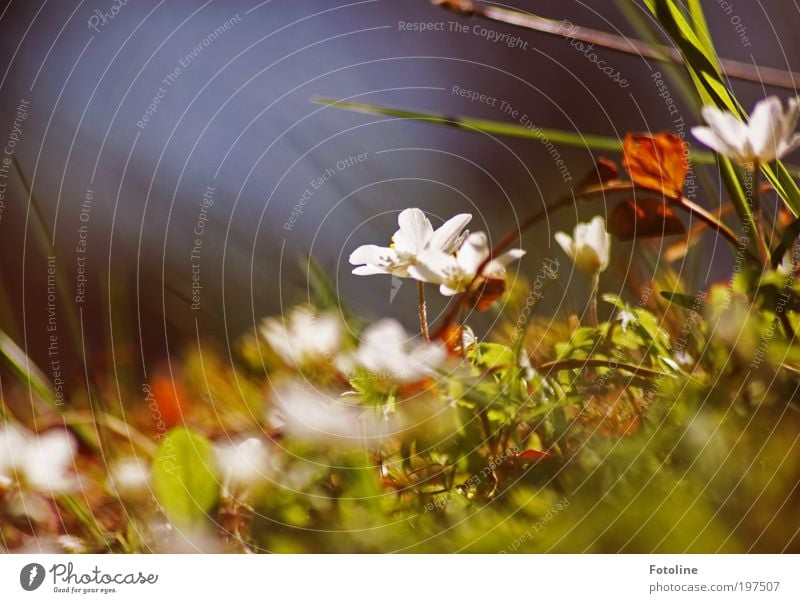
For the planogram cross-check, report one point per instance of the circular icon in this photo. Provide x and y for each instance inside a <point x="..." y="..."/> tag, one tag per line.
<point x="31" y="576"/>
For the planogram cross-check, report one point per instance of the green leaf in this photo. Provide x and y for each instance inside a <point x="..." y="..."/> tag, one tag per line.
<point x="185" y="477"/>
<point x="495" y="355"/>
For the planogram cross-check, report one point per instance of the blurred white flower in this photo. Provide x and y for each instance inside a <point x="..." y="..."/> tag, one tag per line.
<point x="589" y="247"/>
<point x="768" y="135"/>
<point x="788" y="262"/>
<point x="39" y="462"/>
<point x="415" y="236"/>
<point x="454" y="273"/>
<point x="129" y="478"/>
<point x="314" y="415"/>
<point x="305" y="337"/>
<point x="387" y="351"/>
<point x="71" y="544"/>
<point x="242" y="463"/>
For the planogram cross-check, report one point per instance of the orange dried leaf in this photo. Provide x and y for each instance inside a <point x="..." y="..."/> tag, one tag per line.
<point x="168" y="396"/>
<point x="452" y="336"/>
<point x="644" y="218"/>
<point x="533" y="455"/>
<point x="656" y="161"/>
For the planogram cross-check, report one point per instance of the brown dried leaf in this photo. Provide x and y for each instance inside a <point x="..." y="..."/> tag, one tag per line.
<point x="644" y="218"/>
<point x="656" y="161"/>
<point x="604" y="171"/>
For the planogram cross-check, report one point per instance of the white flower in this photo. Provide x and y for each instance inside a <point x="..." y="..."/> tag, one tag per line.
<point x="313" y="415"/>
<point x="71" y="544"/>
<point x="415" y="236"/>
<point x="788" y="262"/>
<point x="40" y="462"/>
<point x="386" y="351"/>
<point x="130" y="478"/>
<point x="305" y="337"/>
<point x="767" y="135"/>
<point x="454" y="273"/>
<point x="242" y="463"/>
<point x="589" y="247"/>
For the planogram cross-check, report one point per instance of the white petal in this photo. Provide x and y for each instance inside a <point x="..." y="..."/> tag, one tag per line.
<point x="596" y="235"/>
<point x="605" y="257"/>
<point x="12" y="441"/>
<point x="387" y="333"/>
<point x="790" y="119"/>
<point x="47" y="461"/>
<point x="497" y="267"/>
<point x="374" y="255"/>
<point x="423" y="361"/>
<point x="730" y="130"/>
<point x="275" y="334"/>
<point x="707" y="136"/>
<point x="433" y="266"/>
<point x="566" y="243"/>
<point x="315" y="415"/>
<point x="327" y="335"/>
<point x="130" y="478"/>
<point x="473" y="252"/>
<point x="446" y="237"/>
<point x="420" y="272"/>
<point x="369" y="270"/>
<point x="790" y="145"/>
<point x="765" y="128"/>
<point x="242" y="463"/>
<point x="414" y="234"/>
<point x="509" y="256"/>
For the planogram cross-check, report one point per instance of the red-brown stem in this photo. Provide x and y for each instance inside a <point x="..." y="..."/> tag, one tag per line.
<point x="659" y="52"/>
<point x="423" y="311"/>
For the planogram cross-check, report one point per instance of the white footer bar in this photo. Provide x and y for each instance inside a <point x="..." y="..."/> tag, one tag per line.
<point x="399" y="578"/>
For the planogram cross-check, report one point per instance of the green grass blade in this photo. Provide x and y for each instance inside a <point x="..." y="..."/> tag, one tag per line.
<point x="703" y="66"/>
<point x="21" y="365"/>
<point x="674" y="71"/>
<point x="595" y="142"/>
<point x="703" y="33"/>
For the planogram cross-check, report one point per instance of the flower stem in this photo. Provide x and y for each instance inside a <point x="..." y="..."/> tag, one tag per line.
<point x="555" y="366"/>
<point x="423" y="311"/>
<point x="758" y="216"/>
<point x="593" y="299"/>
